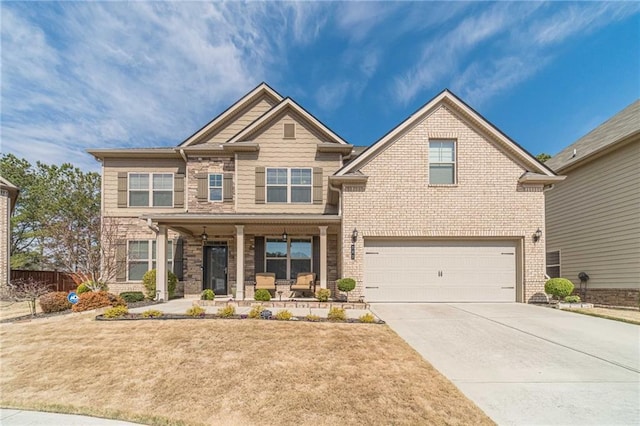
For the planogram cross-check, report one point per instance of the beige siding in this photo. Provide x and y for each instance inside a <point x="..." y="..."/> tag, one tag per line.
<point x="487" y="201"/>
<point x="275" y="151"/>
<point x="593" y="218"/>
<point x="111" y="169"/>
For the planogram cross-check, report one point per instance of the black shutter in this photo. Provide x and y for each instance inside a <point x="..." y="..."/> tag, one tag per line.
<point x="315" y="251"/>
<point x="178" y="262"/>
<point x="259" y="254"/>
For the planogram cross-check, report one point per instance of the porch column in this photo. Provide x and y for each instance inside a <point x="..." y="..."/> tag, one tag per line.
<point x="239" y="262"/>
<point x="323" y="256"/>
<point x="161" y="264"/>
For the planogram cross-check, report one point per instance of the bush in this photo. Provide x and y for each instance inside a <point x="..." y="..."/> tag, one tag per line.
<point x="149" y="281"/>
<point x="255" y="311"/>
<point x="558" y="287"/>
<point x="323" y="294"/>
<point x="82" y="288"/>
<point x="337" y="314"/>
<point x="227" y="311"/>
<point x="313" y="318"/>
<point x="572" y="299"/>
<point x="367" y="318"/>
<point x="54" y="302"/>
<point x="116" y="312"/>
<point x="208" y="294"/>
<point x="152" y="313"/>
<point x="262" y="295"/>
<point x="283" y="315"/>
<point x="132" y="296"/>
<point x="195" y="311"/>
<point x="97" y="299"/>
<point x="88" y="286"/>
<point x="346" y="284"/>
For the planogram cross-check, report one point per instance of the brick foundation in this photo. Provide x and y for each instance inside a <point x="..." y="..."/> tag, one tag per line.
<point x="611" y="297"/>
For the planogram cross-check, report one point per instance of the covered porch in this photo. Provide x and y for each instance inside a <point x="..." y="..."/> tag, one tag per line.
<point x="224" y="252"/>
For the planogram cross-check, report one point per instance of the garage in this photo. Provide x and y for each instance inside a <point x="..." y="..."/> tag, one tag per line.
<point x="439" y="271"/>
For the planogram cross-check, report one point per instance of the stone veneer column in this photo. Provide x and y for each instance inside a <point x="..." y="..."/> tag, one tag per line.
<point x="323" y="256"/>
<point x="161" y="264"/>
<point x="239" y="262"/>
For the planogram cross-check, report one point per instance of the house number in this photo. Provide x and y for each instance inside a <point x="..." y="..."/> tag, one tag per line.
<point x="353" y="251"/>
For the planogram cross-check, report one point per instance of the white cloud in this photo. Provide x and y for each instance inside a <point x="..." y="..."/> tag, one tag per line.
<point x="330" y="95"/>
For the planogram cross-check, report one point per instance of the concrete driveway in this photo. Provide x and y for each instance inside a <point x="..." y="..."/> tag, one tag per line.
<point x="526" y="365"/>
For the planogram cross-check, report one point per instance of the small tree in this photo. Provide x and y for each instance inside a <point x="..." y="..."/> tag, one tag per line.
<point x="558" y="287"/>
<point x="346" y="285"/>
<point x="25" y="291"/>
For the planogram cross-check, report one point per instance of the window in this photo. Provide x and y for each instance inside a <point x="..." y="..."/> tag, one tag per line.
<point x="289" y="130"/>
<point x="151" y="189"/>
<point x="287" y="258"/>
<point x="553" y="264"/>
<point x="141" y="259"/>
<point x="215" y="187"/>
<point x="288" y="185"/>
<point x="442" y="162"/>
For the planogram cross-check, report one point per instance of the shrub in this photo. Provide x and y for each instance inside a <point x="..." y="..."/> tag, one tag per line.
<point x="323" y="294"/>
<point x="262" y="294"/>
<point x="195" y="311"/>
<point x="54" y="302"/>
<point x="91" y="286"/>
<point x="283" y="315"/>
<point x="255" y="311"/>
<point x="149" y="281"/>
<point x="346" y="284"/>
<point x="208" y="294"/>
<point x="367" y="318"/>
<point x="132" y="296"/>
<point x="313" y="318"/>
<point x="82" y="288"/>
<point x="558" y="287"/>
<point x="116" y="312"/>
<point x="152" y="313"/>
<point x="572" y="299"/>
<point x="227" y="311"/>
<point x="97" y="299"/>
<point x="337" y="314"/>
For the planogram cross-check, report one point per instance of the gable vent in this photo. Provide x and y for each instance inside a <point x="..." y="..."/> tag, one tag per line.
<point x="289" y="130"/>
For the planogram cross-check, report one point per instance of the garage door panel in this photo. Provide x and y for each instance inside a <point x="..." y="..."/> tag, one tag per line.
<point x="439" y="271"/>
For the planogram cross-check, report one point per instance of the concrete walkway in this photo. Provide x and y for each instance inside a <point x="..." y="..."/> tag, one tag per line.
<point x="11" y="417"/>
<point x="528" y="365"/>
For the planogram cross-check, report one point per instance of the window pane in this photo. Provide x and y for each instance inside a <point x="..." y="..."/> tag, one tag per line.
<point x="162" y="198"/>
<point x="276" y="194"/>
<point x="300" y="249"/>
<point x="215" y="194"/>
<point x="138" y="250"/>
<point x="139" y="181"/>
<point x="215" y="180"/>
<point x="276" y="248"/>
<point x="279" y="266"/>
<point x="276" y="176"/>
<point x="553" y="271"/>
<point x="301" y="194"/>
<point x="442" y="152"/>
<point x="163" y="181"/>
<point x="301" y="176"/>
<point x="299" y="265"/>
<point x="169" y="250"/>
<point x="137" y="270"/>
<point x="138" y="199"/>
<point x="441" y="174"/>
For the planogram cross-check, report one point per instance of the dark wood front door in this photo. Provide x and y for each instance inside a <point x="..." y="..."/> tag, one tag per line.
<point x="215" y="269"/>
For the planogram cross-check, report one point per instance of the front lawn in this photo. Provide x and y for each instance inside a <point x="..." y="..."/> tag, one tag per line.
<point x="624" y="315"/>
<point x="225" y="372"/>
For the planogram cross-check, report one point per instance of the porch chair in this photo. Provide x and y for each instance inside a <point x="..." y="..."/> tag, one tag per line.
<point x="305" y="281"/>
<point x="266" y="280"/>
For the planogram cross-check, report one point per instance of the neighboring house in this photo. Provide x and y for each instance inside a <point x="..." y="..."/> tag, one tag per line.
<point x="593" y="218"/>
<point x="8" y="196"/>
<point x="444" y="207"/>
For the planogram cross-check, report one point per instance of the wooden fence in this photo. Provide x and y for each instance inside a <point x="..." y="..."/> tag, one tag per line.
<point x="59" y="281"/>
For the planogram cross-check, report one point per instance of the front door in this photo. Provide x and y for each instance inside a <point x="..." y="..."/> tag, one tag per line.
<point x="215" y="269"/>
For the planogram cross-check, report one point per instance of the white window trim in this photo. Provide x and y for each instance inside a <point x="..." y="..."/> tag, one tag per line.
<point x="289" y="185"/>
<point x="150" y="189"/>
<point x="221" y="187"/>
<point x="150" y="258"/>
<point x="454" y="162"/>
<point x="288" y="258"/>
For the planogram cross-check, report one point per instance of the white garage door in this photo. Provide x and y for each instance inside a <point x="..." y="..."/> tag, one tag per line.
<point x="440" y="271"/>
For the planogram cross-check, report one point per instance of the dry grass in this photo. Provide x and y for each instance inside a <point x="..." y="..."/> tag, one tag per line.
<point x="225" y="372"/>
<point x="15" y="309"/>
<point x="625" y="315"/>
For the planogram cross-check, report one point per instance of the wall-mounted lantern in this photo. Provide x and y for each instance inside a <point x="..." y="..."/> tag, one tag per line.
<point x="537" y="235"/>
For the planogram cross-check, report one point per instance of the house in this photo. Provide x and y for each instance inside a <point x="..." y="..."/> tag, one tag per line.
<point x="593" y="218"/>
<point x="8" y="197"/>
<point x="443" y="207"/>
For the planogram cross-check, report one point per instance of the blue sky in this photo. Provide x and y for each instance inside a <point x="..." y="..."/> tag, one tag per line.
<point x="79" y="75"/>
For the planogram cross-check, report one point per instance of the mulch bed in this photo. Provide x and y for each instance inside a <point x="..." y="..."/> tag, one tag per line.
<point x="139" y="317"/>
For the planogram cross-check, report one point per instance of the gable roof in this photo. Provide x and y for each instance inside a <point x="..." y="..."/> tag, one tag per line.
<point x="273" y="112"/>
<point x="11" y="189"/>
<point x="450" y="99"/>
<point x="618" y="128"/>
<point x="263" y="89"/>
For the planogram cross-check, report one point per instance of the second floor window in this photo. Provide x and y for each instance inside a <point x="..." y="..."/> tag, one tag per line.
<point x="288" y="185"/>
<point x="215" y="187"/>
<point x="442" y="162"/>
<point x="151" y="189"/>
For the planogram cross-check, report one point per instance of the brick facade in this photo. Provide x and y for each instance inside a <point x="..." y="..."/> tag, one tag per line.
<point x="611" y="296"/>
<point x="5" y="233"/>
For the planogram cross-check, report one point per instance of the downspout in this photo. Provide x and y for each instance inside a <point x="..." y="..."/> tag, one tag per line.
<point x="333" y="188"/>
<point x="153" y="227"/>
